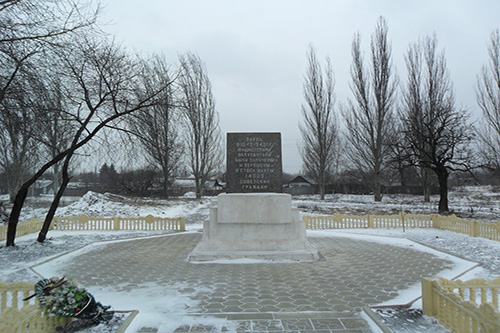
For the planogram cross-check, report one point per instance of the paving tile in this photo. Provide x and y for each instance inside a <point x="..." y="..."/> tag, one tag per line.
<point x="354" y="323"/>
<point x="249" y="316"/>
<point x="267" y="308"/>
<point x="324" y="324"/>
<point x="297" y="324"/>
<point x="267" y="325"/>
<point x="244" y="326"/>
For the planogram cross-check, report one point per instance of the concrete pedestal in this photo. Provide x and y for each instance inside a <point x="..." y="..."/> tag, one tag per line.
<point x="254" y="226"/>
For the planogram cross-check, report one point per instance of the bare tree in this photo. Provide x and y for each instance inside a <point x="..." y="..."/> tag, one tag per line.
<point x="369" y="118"/>
<point x="44" y="21"/>
<point x="17" y="113"/>
<point x="203" y="138"/>
<point x="412" y="100"/>
<point x="54" y="128"/>
<point x="436" y="131"/>
<point x="28" y="28"/>
<point x="320" y="128"/>
<point x="101" y="80"/>
<point x="28" y="32"/>
<point x="157" y="128"/>
<point x="488" y="99"/>
<point x="18" y="146"/>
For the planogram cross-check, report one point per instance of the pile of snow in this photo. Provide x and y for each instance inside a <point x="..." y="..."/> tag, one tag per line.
<point x="189" y="195"/>
<point x="110" y="205"/>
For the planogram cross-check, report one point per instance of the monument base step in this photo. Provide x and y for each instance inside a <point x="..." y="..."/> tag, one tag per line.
<point x="241" y="256"/>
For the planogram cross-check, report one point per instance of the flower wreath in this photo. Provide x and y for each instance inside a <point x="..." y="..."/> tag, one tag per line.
<point x="63" y="298"/>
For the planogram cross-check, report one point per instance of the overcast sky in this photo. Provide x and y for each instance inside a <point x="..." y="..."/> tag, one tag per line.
<point x="255" y="50"/>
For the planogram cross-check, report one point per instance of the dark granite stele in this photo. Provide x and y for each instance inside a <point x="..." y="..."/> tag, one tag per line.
<point x="254" y="163"/>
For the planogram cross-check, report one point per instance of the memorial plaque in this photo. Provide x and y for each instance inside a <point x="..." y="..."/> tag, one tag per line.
<point x="253" y="163"/>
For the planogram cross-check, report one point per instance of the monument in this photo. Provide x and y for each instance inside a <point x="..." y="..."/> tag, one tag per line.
<point x="254" y="219"/>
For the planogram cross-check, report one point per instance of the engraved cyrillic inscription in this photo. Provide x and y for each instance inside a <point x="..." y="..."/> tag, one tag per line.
<point x="253" y="162"/>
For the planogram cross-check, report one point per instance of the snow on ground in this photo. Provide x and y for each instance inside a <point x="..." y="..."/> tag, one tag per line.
<point x="474" y="202"/>
<point x="15" y="262"/>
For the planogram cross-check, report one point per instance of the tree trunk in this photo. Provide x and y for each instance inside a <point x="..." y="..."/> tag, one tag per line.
<point x="442" y="174"/>
<point x="377" y="193"/>
<point x="426" y="184"/>
<point x="165" y="189"/>
<point x="23" y="192"/>
<point x="52" y="211"/>
<point x="377" y="188"/>
<point x="16" y="211"/>
<point x="57" y="178"/>
<point x="322" y="191"/>
<point x="199" y="188"/>
<point x="165" y="181"/>
<point x="55" y="203"/>
<point x="402" y="177"/>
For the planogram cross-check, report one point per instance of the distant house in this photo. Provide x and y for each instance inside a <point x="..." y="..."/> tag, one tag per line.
<point x="301" y="185"/>
<point x="302" y="181"/>
<point x="42" y="187"/>
<point x="181" y="186"/>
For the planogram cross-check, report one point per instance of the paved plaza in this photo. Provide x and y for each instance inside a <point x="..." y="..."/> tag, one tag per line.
<point x="324" y="296"/>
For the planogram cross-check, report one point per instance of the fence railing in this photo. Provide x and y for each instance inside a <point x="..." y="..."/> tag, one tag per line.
<point x="17" y="315"/>
<point x="470" y="306"/>
<point x="450" y="223"/>
<point x="468" y="227"/>
<point x="27" y="227"/>
<point x="337" y="221"/>
<point x="340" y="221"/>
<point x="87" y="223"/>
<point x="147" y="223"/>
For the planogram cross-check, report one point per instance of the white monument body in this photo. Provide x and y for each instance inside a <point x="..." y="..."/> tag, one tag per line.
<point x="253" y="221"/>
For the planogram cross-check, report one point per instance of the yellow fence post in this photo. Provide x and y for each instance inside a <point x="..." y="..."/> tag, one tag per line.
<point x="488" y="322"/>
<point x="475" y="229"/>
<point x="370" y="221"/>
<point x="149" y="219"/>
<point x="306" y="220"/>
<point x="116" y="223"/>
<point x="436" y="221"/>
<point x="183" y="224"/>
<point x="427" y="296"/>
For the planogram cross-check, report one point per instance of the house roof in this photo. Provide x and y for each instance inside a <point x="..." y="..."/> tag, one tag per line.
<point x="184" y="183"/>
<point x="303" y="179"/>
<point x="41" y="183"/>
